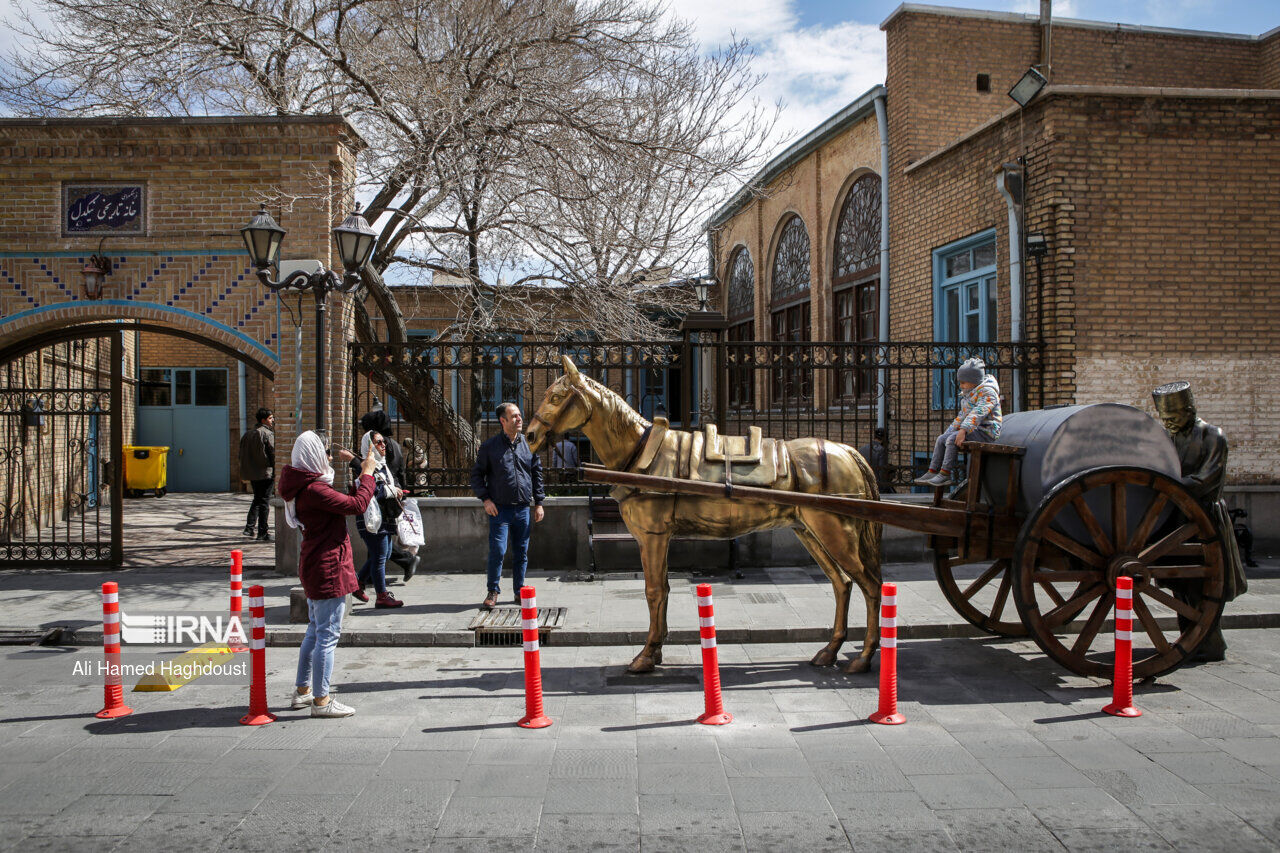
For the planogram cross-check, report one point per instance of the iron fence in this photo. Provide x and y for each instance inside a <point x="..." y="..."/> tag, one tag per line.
<point x="441" y="395"/>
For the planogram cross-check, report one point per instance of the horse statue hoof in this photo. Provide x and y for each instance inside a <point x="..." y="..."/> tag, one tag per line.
<point x="641" y="664"/>
<point x="858" y="665"/>
<point x="826" y="657"/>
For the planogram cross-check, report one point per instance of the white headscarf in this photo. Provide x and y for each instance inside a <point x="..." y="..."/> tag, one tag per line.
<point x="382" y="472"/>
<point x="309" y="454"/>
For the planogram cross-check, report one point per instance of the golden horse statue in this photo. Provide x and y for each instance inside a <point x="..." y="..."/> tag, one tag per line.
<point x="847" y="549"/>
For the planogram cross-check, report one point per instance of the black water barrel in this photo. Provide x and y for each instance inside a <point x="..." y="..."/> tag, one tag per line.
<point x="1066" y="440"/>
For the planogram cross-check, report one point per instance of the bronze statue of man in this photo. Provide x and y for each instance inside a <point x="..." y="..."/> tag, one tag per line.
<point x="1202" y="450"/>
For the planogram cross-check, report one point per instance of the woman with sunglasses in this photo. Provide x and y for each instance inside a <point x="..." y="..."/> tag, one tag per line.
<point x="378" y="542"/>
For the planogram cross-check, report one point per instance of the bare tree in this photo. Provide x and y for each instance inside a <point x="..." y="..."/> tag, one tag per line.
<point x="568" y="148"/>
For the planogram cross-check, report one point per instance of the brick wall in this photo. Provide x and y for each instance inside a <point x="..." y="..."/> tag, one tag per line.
<point x="1269" y="67"/>
<point x="934" y="59"/>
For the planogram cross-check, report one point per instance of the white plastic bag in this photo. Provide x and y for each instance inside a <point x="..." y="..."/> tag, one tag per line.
<point x="409" y="525"/>
<point x="373" y="516"/>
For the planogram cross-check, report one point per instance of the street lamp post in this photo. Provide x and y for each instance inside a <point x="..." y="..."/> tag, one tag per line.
<point x="355" y="241"/>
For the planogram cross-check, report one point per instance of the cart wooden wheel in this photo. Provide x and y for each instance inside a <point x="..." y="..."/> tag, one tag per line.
<point x="979" y="590"/>
<point x="1096" y="526"/>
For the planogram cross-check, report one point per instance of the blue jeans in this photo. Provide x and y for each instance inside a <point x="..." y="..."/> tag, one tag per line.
<point x="315" y="657"/>
<point x="511" y="522"/>
<point x="945" y="450"/>
<point x="375" y="565"/>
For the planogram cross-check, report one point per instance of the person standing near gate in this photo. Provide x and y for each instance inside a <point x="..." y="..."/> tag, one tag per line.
<point x="507" y="477"/>
<point x="257" y="465"/>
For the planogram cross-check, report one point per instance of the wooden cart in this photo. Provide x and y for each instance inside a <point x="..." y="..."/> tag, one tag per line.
<point x="1056" y="560"/>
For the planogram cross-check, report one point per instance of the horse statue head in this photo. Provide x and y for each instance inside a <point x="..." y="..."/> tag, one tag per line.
<point x="565" y="406"/>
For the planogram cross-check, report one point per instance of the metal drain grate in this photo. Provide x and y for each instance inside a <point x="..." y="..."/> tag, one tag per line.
<point x="501" y="625"/>
<point x="763" y="598"/>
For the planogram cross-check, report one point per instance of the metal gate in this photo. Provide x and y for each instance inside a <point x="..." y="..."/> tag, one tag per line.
<point x="61" y="428"/>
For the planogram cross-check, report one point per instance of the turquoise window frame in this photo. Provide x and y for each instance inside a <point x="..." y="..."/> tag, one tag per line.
<point x="393" y="405"/>
<point x="975" y="292"/>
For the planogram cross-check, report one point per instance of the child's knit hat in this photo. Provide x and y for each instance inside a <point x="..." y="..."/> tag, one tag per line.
<point x="973" y="370"/>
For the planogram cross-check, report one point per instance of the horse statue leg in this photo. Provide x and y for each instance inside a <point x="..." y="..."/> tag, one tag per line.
<point x="657" y="589"/>
<point x="845" y="563"/>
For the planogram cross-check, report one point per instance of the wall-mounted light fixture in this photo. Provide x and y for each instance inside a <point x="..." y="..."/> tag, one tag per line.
<point x="1028" y="87"/>
<point x="95" y="273"/>
<point x="1037" y="245"/>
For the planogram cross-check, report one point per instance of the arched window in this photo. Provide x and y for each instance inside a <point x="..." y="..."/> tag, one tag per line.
<point x="855" y="282"/>
<point x="789" y="311"/>
<point x="742" y="326"/>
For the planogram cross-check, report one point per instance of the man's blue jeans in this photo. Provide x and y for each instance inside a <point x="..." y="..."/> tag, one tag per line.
<point x="511" y="523"/>
<point x="315" y="657"/>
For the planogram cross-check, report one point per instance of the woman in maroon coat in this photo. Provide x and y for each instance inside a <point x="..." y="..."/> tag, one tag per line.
<point x="325" y="566"/>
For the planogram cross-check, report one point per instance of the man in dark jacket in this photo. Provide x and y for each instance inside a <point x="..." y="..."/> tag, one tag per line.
<point x="379" y="421"/>
<point x="507" y="477"/>
<point x="257" y="465"/>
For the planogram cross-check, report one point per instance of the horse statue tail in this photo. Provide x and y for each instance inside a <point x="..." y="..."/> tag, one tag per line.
<point x="869" y="542"/>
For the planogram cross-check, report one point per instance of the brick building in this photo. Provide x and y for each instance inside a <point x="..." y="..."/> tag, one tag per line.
<point x="1148" y="165"/>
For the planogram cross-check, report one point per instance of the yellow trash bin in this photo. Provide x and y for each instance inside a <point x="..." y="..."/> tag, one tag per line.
<point x="146" y="469"/>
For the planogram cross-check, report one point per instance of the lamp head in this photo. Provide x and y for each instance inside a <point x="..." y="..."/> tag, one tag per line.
<point x="355" y="241"/>
<point x="262" y="237"/>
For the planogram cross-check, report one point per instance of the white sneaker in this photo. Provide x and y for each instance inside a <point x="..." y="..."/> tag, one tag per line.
<point x="297" y="702"/>
<point x="942" y="479"/>
<point x="334" y="708"/>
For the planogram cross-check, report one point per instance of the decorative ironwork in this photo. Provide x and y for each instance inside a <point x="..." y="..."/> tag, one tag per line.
<point x="742" y="285"/>
<point x="54" y="440"/>
<point x="858" y="230"/>
<point x="440" y="431"/>
<point x="791" y="261"/>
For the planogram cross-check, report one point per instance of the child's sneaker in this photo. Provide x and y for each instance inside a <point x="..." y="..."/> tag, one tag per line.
<point x="925" y="479"/>
<point x="942" y="478"/>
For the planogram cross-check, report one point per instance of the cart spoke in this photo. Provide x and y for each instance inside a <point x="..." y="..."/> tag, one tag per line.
<point x="1169" y="601"/>
<point x="985" y="578"/>
<point x="1167" y="543"/>
<point x="1149" y="623"/>
<point x="1068" y="610"/>
<point x="1073" y="548"/>
<point x="1076" y="575"/>
<point x="1119" y="521"/>
<point x="1091" y="628"/>
<point x="1105" y="546"/>
<point x="1171" y="572"/>
<point x="1002" y="595"/>
<point x="1148" y="523"/>
<point x="1051" y="591"/>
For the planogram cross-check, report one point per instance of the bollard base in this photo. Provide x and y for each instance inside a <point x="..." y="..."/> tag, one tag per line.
<point x="538" y="722"/>
<point x="257" y="719"/>
<point x="112" y="713"/>
<point x="894" y="719"/>
<point x="721" y="719"/>
<point x="1116" y="710"/>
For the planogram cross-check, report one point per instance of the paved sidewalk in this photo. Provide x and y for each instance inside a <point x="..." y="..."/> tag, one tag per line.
<point x="1000" y="752"/>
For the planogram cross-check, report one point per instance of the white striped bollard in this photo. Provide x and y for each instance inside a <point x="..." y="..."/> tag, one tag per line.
<point x="1122" y="676"/>
<point x="258" y="714"/>
<point x="534" y="717"/>
<point x="713" y="713"/>
<point x="113" y="687"/>
<point x="235" y="639"/>
<point x="888" y="711"/>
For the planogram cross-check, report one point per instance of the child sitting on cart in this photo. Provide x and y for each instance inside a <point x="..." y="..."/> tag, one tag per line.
<point x="979" y="419"/>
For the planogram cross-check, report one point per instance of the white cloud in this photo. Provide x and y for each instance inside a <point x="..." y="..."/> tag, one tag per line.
<point x="717" y="21"/>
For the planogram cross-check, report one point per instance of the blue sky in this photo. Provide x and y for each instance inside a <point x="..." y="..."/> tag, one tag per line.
<point x="819" y="55"/>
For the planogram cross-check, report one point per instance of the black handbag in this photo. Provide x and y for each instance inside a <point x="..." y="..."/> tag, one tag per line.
<point x="391" y="509"/>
